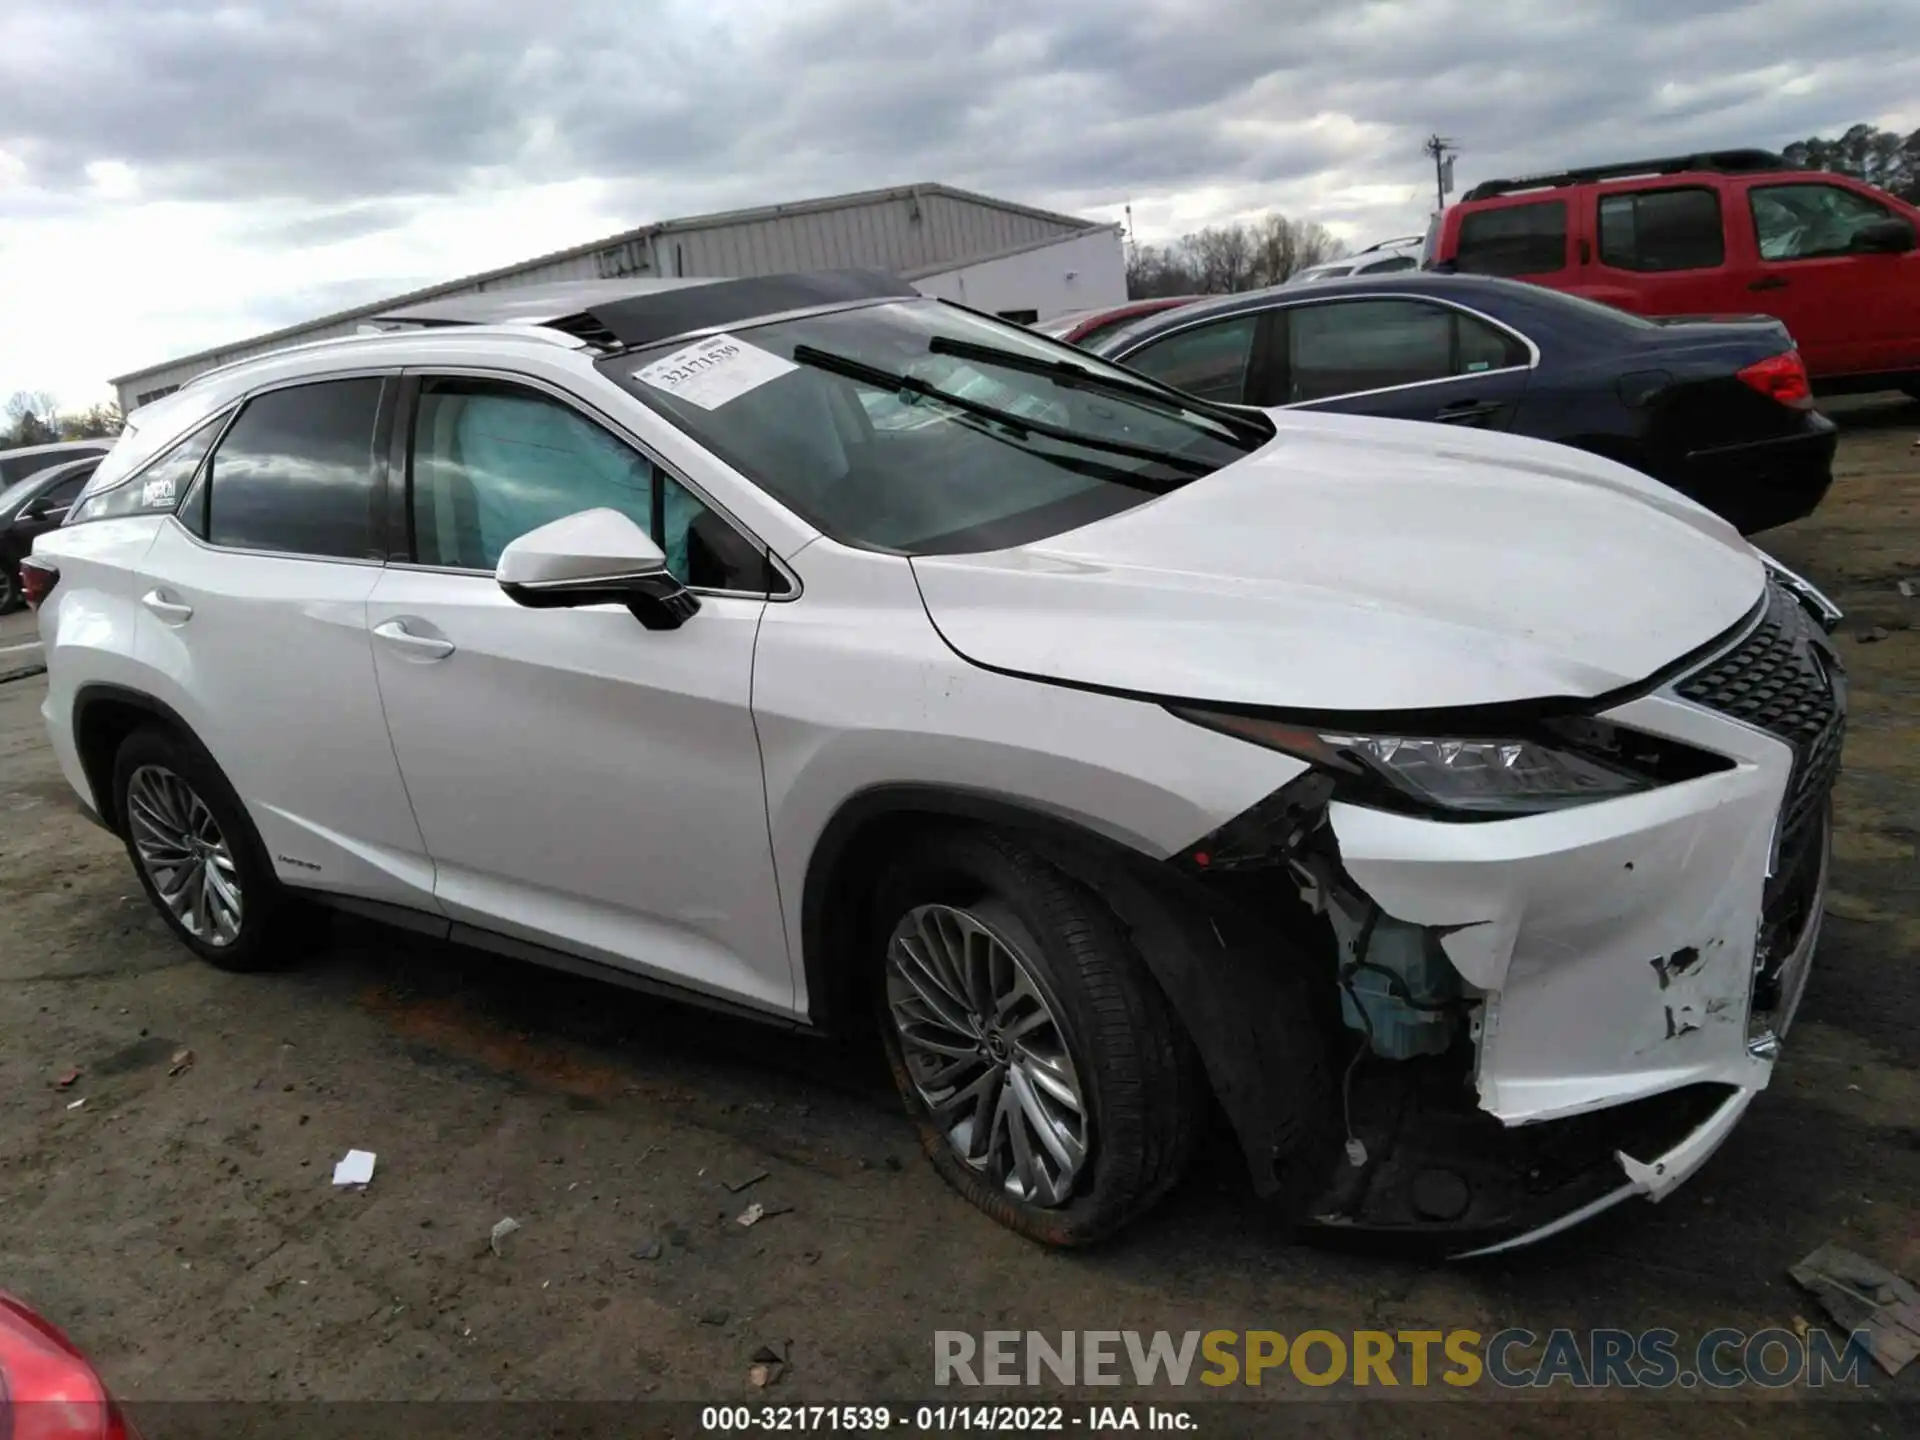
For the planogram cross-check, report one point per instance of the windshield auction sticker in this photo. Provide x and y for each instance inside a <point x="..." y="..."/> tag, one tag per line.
<point x="710" y="372"/>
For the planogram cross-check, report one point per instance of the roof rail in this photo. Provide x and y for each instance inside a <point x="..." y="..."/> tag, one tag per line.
<point x="1723" y="162"/>
<point x="538" y="334"/>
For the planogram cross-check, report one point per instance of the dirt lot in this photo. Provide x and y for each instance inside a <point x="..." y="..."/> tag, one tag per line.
<point x="184" y="1229"/>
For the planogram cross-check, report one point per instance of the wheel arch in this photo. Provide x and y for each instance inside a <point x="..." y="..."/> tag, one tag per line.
<point x="1235" y="987"/>
<point x="104" y="715"/>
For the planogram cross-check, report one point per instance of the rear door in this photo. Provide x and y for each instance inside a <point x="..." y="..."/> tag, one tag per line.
<point x="1850" y="312"/>
<point x="1663" y="250"/>
<point x="1402" y="356"/>
<point x="1524" y="239"/>
<point x="252" y="604"/>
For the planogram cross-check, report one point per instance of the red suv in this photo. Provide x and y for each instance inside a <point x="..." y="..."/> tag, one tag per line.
<point x="1734" y="232"/>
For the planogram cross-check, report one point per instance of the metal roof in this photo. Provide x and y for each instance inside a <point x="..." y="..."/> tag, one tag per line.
<point x="664" y="227"/>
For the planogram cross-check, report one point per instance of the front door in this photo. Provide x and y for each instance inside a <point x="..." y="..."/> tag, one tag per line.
<point x="1849" y="312"/>
<point x="582" y="782"/>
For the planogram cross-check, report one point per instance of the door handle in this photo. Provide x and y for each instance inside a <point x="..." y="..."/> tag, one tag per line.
<point x="1768" y="282"/>
<point x="420" y="647"/>
<point x="170" y="612"/>
<point x="1467" y="411"/>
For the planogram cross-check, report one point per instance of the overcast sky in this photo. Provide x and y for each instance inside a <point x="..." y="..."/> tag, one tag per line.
<point x="176" y="175"/>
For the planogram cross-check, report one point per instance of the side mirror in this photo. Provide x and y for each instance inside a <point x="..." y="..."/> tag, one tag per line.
<point x="597" y="557"/>
<point x="1892" y="236"/>
<point x="43" y="509"/>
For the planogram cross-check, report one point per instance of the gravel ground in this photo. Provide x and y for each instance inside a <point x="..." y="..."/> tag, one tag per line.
<point x="183" y="1227"/>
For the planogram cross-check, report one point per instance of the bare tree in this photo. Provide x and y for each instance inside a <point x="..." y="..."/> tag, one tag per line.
<point x="95" y="421"/>
<point x="32" y="418"/>
<point x="1225" y="258"/>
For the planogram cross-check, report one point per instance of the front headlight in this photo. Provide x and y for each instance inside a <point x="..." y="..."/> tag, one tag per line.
<point x="1471" y="778"/>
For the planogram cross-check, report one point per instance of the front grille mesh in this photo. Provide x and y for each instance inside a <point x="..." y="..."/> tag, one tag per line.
<point x="1784" y="678"/>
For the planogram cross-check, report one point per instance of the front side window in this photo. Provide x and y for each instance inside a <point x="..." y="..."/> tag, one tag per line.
<point x="1662" y="230"/>
<point x="491" y="461"/>
<point x="295" y="473"/>
<point x="1387" y="267"/>
<point x="1211" y="361"/>
<point x="155" y="490"/>
<point x="916" y="427"/>
<point x="1513" y="240"/>
<point x="1804" y="222"/>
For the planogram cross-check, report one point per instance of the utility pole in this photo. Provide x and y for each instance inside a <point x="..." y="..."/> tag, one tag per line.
<point x="1442" y="150"/>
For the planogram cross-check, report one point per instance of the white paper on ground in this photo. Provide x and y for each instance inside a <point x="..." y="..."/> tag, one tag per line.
<point x="356" y="1169"/>
<point x="710" y="372"/>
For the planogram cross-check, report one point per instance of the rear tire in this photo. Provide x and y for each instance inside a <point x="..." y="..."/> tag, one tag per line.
<point x="197" y="854"/>
<point x="12" y="597"/>
<point x="1012" y="1002"/>
<point x="1912" y="388"/>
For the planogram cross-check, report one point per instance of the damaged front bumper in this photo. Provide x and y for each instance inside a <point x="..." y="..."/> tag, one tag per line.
<point x="1628" y="968"/>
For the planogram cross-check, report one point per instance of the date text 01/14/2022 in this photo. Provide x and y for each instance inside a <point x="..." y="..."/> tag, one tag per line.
<point x="941" y="1419"/>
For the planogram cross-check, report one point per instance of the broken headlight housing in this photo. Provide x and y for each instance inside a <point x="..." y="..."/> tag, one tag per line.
<point x="1560" y="763"/>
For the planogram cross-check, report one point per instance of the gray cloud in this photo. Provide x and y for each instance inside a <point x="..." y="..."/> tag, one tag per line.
<point x="347" y="110"/>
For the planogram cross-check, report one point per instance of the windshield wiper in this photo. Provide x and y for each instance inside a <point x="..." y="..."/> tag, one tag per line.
<point x="1020" y="424"/>
<point x="1065" y="372"/>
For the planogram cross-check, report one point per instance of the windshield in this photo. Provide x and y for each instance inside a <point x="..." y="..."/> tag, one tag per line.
<point x="843" y="418"/>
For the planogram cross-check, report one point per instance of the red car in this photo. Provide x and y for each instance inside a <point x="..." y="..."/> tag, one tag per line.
<point x="1735" y="232"/>
<point x="48" y="1391"/>
<point x="1077" y="327"/>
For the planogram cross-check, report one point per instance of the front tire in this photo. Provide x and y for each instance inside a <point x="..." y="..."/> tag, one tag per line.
<point x="197" y="854"/>
<point x="1050" y="1082"/>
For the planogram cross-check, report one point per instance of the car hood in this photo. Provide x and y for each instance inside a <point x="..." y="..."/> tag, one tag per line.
<point x="1358" y="564"/>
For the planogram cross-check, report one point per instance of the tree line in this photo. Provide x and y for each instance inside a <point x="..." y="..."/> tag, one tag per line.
<point x="33" y="417"/>
<point x="1879" y="157"/>
<point x="1222" y="259"/>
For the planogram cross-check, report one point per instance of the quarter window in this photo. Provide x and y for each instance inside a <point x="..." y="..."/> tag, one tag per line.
<point x="157" y="489"/>
<point x="1211" y="361"/>
<point x="1662" y="230"/>
<point x="1347" y="346"/>
<point x="295" y="474"/>
<point x="1513" y="240"/>
<point x="491" y="461"/>
<point x="1800" y="222"/>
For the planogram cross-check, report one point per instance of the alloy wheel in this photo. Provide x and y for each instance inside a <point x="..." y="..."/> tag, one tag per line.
<point x="986" y="1053"/>
<point x="185" y="855"/>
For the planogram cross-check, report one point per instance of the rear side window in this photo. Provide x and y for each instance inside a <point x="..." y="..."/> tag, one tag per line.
<point x="1662" y="230"/>
<point x="1387" y="267"/>
<point x="1210" y="361"/>
<point x="295" y="474"/>
<point x="157" y="489"/>
<point x="1513" y="240"/>
<point x="1344" y="347"/>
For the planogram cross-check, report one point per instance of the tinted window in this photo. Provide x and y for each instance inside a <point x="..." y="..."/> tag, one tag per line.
<point x="1347" y="346"/>
<point x="493" y="461"/>
<point x="1384" y="267"/>
<point x="1210" y="361"/>
<point x="156" y="489"/>
<point x="295" y="473"/>
<point x="1513" y="240"/>
<point x="1798" y="222"/>
<point x="1661" y="230"/>
<point x="62" y="495"/>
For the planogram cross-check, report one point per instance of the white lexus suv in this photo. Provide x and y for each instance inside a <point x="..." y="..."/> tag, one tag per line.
<point x="1451" y="809"/>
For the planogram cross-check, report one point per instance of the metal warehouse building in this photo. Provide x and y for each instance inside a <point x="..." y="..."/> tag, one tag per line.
<point x="994" y="255"/>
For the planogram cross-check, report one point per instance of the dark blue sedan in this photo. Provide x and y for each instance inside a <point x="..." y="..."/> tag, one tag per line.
<point x="1717" y="407"/>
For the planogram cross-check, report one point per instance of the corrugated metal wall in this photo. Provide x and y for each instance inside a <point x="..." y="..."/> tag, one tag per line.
<point x="900" y="230"/>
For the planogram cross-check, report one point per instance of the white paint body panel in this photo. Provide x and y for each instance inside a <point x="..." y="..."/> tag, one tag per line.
<point x="584" y="782"/>
<point x="1363" y="564"/>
